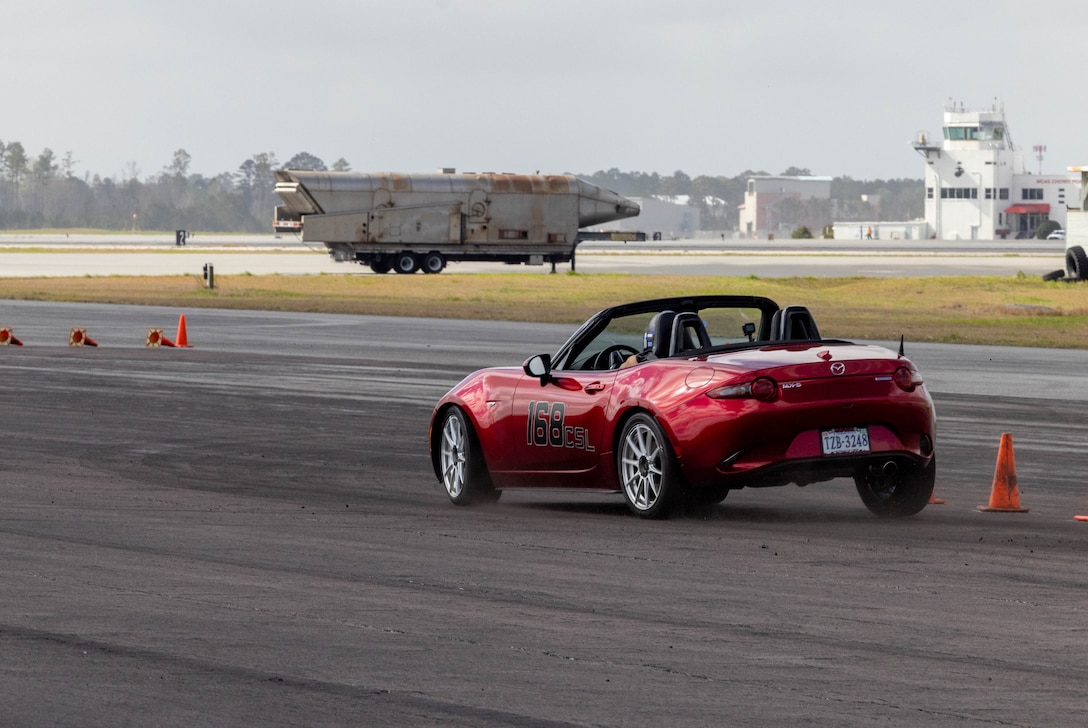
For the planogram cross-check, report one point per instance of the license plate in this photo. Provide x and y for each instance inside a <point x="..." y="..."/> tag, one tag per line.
<point x="844" y="440"/>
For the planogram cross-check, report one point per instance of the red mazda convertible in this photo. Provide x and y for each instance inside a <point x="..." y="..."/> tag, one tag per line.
<point x="677" y="401"/>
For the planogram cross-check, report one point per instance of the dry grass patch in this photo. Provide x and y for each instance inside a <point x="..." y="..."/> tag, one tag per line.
<point x="988" y="310"/>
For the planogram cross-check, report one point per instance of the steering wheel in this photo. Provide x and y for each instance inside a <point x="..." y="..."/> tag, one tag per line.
<point x="613" y="357"/>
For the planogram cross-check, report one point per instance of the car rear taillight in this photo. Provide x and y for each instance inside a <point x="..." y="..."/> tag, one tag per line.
<point x="906" y="379"/>
<point x="764" y="389"/>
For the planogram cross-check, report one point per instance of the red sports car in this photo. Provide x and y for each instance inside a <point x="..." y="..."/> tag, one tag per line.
<point x="678" y="401"/>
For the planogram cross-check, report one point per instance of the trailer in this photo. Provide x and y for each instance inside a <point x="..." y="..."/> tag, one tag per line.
<point x="410" y="222"/>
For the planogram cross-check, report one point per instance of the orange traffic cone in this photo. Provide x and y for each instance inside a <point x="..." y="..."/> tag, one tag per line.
<point x="7" y="338"/>
<point x="934" y="500"/>
<point x="155" y="338"/>
<point x="78" y="337"/>
<point x="1080" y="518"/>
<point x="1005" y="495"/>
<point x="182" y="339"/>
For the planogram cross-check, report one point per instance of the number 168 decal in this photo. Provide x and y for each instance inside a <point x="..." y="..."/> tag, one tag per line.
<point x="547" y="428"/>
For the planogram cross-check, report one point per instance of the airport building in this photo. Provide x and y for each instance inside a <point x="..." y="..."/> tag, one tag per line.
<point x="977" y="184"/>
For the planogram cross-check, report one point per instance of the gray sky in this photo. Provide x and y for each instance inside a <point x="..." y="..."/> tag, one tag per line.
<point x="710" y="87"/>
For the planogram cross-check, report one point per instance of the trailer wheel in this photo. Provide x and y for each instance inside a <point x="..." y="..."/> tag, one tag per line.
<point x="380" y="265"/>
<point x="406" y="263"/>
<point x="434" y="262"/>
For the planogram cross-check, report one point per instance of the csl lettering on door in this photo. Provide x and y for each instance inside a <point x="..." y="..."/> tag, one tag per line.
<point x="547" y="427"/>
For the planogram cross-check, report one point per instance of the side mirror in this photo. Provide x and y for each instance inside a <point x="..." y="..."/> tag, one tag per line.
<point x="539" y="366"/>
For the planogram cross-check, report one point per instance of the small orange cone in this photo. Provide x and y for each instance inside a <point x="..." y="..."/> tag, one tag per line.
<point x="1080" y="518"/>
<point x="155" y="338"/>
<point x="1005" y="495"/>
<point x="78" y="337"/>
<point x="182" y="339"/>
<point x="934" y="500"/>
<point x="7" y="338"/>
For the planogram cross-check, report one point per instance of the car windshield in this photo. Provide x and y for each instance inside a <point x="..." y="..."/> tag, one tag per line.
<point x="687" y="330"/>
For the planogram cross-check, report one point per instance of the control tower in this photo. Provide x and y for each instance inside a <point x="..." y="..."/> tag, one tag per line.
<point x="976" y="183"/>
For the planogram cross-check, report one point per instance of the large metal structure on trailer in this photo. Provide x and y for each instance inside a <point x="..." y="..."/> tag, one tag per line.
<point x="408" y="222"/>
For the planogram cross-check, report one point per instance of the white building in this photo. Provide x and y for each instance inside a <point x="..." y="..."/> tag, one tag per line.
<point x="976" y="183"/>
<point x="759" y="213"/>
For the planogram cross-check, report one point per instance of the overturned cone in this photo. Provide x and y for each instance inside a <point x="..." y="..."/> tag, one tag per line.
<point x="78" y="337"/>
<point x="155" y="338"/>
<point x="1005" y="494"/>
<point x="7" y="338"/>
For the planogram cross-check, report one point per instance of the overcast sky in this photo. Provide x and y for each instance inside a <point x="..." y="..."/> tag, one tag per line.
<point x="711" y="87"/>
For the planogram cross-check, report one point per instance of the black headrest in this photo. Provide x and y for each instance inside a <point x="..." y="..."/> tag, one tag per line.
<point x="658" y="336"/>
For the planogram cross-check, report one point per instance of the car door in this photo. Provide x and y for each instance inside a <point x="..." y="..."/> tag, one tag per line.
<point x="559" y="427"/>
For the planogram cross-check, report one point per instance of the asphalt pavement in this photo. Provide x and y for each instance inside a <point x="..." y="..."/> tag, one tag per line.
<point x="248" y="532"/>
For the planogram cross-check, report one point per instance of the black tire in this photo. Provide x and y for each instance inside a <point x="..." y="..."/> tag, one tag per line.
<point x="701" y="499"/>
<point x="903" y="494"/>
<point x="434" y="262"/>
<point x="1076" y="262"/>
<point x="649" y="475"/>
<point x="460" y="464"/>
<point x="406" y="263"/>
<point x="1054" y="275"/>
<point x="381" y="265"/>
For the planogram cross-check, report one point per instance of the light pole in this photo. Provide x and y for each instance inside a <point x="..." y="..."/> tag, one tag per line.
<point x="1040" y="150"/>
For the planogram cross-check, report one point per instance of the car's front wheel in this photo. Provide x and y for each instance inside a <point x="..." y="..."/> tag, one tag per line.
<point x="649" y="474"/>
<point x="899" y="493"/>
<point x="460" y="463"/>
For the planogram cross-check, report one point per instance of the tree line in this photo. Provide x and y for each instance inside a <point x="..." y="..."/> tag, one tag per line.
<point x="45" y="192"/>
<point x="718" y="198"/>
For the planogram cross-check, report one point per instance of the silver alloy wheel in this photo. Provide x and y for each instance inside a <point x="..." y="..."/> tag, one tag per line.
<point x="452" y="451"/>
<point x="642" y="467"/>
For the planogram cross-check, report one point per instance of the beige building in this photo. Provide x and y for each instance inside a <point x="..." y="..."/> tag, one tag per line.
<point x="759" y="214"/>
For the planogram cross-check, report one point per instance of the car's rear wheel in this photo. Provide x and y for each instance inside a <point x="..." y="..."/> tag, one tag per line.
<point x="899" y="493"/>
<point x="649" y="475"/>
<point x="1076" y="262"/>
<point x="461" y="465"/>
<point x="700" y="498"/>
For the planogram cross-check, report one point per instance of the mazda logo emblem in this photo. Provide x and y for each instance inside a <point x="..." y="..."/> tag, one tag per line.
<point x="838" y="368"/>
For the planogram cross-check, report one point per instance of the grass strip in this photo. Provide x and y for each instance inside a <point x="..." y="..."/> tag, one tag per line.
<point x="1015" y="311"/>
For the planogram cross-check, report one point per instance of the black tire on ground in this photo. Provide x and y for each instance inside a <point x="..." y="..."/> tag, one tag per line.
<point x="1076" y="262"/>
<point x="700" y="499"/>
<point x="381" y="265"/>
<point x="649" y="475"/>
<point x="460" y="464"/>
<point x="434" y="262"/>
<point x="406" y="263"/>
<point x="1054" y="275"/>
<point x="903" y="494"/>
